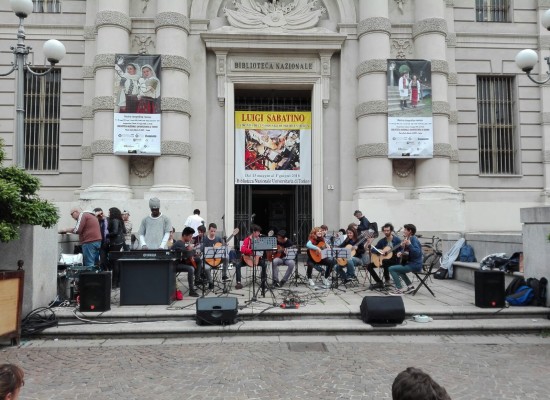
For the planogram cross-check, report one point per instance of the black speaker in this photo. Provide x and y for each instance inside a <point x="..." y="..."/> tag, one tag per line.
<point x="217" y="310"/>
<point x="489" y="288"/>
<point x="382" y="310"/>
<point x="95" y="291"/>
<point x="147" y="281"/>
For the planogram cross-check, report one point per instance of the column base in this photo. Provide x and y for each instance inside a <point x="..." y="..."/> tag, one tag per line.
<point x="377" y="192"/>
<point x="107" y="192"/>
<point x="437" y="193"/>
<point x="170" y="192"/>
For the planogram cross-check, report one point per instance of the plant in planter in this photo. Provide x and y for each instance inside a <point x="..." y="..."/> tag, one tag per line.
<point x="20" y="203"/>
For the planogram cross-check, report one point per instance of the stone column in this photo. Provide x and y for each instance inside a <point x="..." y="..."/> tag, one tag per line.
<point x="110" y="172"/>
<point x="433" y="179"/>
<point x="171" y="171"/>
<point x="374" y="176"/>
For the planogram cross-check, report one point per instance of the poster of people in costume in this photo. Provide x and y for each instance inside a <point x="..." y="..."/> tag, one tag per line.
<point x="410" y="120"/>
<point x="137" y="104"/>
<point x="272" y="148"/>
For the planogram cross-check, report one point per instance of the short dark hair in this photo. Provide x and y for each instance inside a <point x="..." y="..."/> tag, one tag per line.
<point x="11" y="379"/>
<point x="196" y="211"/>
<point x="255" y="228"/>
<point x="201" y="228"/>
<point x="187" y="231"/>
<point x="413" y="383"/>
<point x="388" y="225"/>
<point x="410" y="227"/>
<point x="357" y="212"/>
<point x="212" y="225"/>
<point x="324" y="227"/>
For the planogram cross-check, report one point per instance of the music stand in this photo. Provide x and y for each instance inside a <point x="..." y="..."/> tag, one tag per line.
<point x="261" y="244"/>
<point x="336" y="253"/>
<point x="218" y="253"/>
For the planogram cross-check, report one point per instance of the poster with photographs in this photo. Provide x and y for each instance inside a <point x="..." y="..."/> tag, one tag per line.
<point x="272" y="148"/>
<point x="410" y="120"/>
<point x="137" y="104"/>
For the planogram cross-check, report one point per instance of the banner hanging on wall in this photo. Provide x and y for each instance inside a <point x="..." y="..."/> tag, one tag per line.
<point x="137" y="105"/>
<point x="272" y="148"/>
<point x="410" y="120"/>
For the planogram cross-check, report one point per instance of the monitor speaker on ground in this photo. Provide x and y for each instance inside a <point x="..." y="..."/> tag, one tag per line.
<point x="382" y="310"/>
<point x="95" y="291"/>
<point x="217" y="310"/>
<point x="489" y="288"/>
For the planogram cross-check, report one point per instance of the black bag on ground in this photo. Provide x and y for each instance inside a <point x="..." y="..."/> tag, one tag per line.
<point x="441" y="273"/>
<point x="374" y="227"/>
<point x="539" y="289"/>
<point x="513" y="286"/>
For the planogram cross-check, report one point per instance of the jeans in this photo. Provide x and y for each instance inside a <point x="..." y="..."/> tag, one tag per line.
<point x="90" y="252"/>
<point x="190" y="274"/>
<point x="350" y="267"/>
<point x="328" y="262"/>
<point x="275" y="268"/>
<point x="400" y="271"/>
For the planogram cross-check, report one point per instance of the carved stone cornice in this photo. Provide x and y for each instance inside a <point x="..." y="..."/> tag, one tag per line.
<point x="375" y="24"/>
<point x="172" y="19"/>
<point x="174" y="148"/>
<point x="451" y="39"/>
<point x="87" y="112"/>
<point x="430" y="25"/>
<point x="545" y="118"/>
<point x="87" y="72"/>
<point x="442" y="150"/>
<point x="104" y="61"/>
<point x="89" y="32"/>
<point x="179" y="63"/>
<point x="453" y="117"/>
<point x="86" y="152"/>
<point x="103" y="103"/>
<point x="371" y="150"/>
<point x="175" y="104"/>
<point x="440" y="66"/>
<point x="102" y="147"/>
<point x="113" y="18"/>
<point x="371" y="66"/>
<point x="452" y="79"/>
<point x="441" y="108"/>
<point x="371" y="107"/>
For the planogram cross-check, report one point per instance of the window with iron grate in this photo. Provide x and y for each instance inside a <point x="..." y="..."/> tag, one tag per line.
<point x="42" y="117"/>
<point x="493" y="10"/>
<point x="497" y="139"/>
<point x="47" y="6"/>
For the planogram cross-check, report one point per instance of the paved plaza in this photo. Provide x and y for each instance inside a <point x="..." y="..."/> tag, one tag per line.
<point x="279" y="367"/>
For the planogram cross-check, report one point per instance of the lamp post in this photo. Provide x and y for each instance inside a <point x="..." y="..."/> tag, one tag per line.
<point x="527" y="59"/>
<point x="54" y="51"/>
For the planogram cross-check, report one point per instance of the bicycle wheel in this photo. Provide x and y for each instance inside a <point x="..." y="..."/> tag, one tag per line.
<point x="430" y="262"/>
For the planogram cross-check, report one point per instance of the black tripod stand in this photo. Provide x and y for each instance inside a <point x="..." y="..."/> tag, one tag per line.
<point x="297" y="278"/>
<point x="261" y="244"/>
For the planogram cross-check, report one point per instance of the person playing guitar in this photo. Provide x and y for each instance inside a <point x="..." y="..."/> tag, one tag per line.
<point x="315" y="260"/>
<point x="357" y="249"/>
<point x="384" y="257"/>
<point x="250" y="259"/>
<point x="414" y="262"/>
<point x="185" y="245"/>
<point x="203" y="269"/>
<point x="212" y="240"/>
<point x="279" y="258"/>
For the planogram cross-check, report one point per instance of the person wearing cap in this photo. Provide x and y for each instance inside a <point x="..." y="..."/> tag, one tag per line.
<point x="283" y="243"/>
<point x="89" y="235"/>
<point x="363" y="222"/>
<point x="128" y="227"/>
<point x="154" y="230"/>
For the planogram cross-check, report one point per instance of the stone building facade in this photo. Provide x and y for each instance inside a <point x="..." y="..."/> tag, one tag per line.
<point x="211" y="51"/>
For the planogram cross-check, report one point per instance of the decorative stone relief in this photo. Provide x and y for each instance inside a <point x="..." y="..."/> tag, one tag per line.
<point x="440" y="66"/>
<point x="441" y="107"/>
<point x="451" y="39"/>
<point x="174" y="19"/>
<point x="146" y="3"/>
<point x="221" y="72"/>
<point x="89" y="32"/>
<point x="170" y="61"/>
<point x="113" y="18"/>
<point x="371" y="150"/>
<point x="430" y="25"/>
<point x="401" y="47"/>
<point x="442" y="150"/>
<point x="86" y="152"/>
<point x="104" y="61"/>
<point x="371" y="66"/>
<point x="175" y="104"/>
<point x="143" y="43"/>
<point x="295" y="15"/>
<point x="453" y="117"/>
<point x="102" y="147"/>
<point x="141" y="166"/>
<point x="375" y="24"/>
<point x="454" y="155"/>
<point x="103" y="103"/>
<point x="87" y="72"/>
<point x="325" y="78"/>
<point x="176" y="148"/>
<point x="403" y="167"/>
<point x="371" y="107"/>
<point x="452" y="79"/>
<point x="400" y="4"/>
<point x="87" y="112"/>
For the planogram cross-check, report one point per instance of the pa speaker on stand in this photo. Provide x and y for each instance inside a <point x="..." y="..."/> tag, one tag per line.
<point x="95" y="291"/>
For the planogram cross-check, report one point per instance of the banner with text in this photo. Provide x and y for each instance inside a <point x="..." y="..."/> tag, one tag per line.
<point x="272" y="148"/>
<point x="137" y="105"/>
<point x="410" y="120"/>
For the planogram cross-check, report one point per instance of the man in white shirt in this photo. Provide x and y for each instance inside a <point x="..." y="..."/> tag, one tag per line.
<point x="194" y="221"/>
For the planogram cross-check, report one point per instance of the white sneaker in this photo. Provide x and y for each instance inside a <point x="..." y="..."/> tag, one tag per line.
<point x="326" y="282"/>
<point x="310" y="282"/>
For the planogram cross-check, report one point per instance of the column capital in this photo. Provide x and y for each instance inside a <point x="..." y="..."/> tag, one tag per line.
<point x="371" y="150"/>
<point x="371" y="66"/>
<point x="113" y="18"/>
<point x="102" y="147"/>
<point x="86" y="152"/>
<point x="443" y="150"/>
<point x="451" y="39"/>
<point x="175" y="104"/>
<point x="89" y="32"/>
<point x="172" y="19"/>
<point x="374" y="24"/>
<point x="371" y="107"/>
<point x="87" y="112"/>
<point x="453" y="117"/>
<point x="174" y="148"/>
<point x="104" y="61"/>
<point x="441" y="108"/>
<point x="103" y="103"/>
<point x="430" y="25"/>
<point x="440" y="66"/>
<point x="87" y="72"/>
<point x="452" y="79"/>
<point x="179" y="63"/>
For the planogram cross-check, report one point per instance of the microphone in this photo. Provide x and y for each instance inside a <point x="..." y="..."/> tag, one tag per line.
<point x="223" y="217"/>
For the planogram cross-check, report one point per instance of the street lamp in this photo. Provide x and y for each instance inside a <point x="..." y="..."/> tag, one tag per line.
<point x="54" y="51"/>
<point x="527" y="59"/>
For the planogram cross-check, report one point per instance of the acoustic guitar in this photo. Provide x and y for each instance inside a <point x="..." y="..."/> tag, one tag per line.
<point x="352" y="247"/>
<point x="254" y="259"/>
<point x="377" y="258"/>
<point x="315" y="255"/>
<point x="215" y="262"/>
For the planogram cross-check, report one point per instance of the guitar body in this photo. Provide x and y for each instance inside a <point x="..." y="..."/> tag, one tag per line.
<point x="214" y="262"/>
<point x="251" y="260"/>
<point x="344" y="261"/>
<point x="315" y="255"/>
<point x="377" y="259"/>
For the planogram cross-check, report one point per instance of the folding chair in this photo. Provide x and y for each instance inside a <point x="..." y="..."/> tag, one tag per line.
<point x="428" y="269"/>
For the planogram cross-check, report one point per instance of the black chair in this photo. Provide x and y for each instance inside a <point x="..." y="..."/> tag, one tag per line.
<point x="429" y="267"/>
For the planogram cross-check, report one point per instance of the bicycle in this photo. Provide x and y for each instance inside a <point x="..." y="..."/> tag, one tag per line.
<point x="432" y="254"/>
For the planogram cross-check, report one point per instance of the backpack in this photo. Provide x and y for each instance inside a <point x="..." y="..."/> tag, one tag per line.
<point x="493" y="261"/>
<point x="513" y="286"/>
<point x="539" y="291"/>
<point x="522" y="297"/>
<point x="467" y="253"/>
<point x="441" y="273"/>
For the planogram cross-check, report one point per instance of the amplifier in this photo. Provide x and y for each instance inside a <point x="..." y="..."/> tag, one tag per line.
<point x="147" y="282"/>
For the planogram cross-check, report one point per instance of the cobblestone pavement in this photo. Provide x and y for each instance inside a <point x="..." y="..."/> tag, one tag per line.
<point x="315" y="367"/>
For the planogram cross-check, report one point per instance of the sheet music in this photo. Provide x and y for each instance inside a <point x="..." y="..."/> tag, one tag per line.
<point x="215" y="252"/>
<point x="340" y="253"/>
<point x="377" y="250"/>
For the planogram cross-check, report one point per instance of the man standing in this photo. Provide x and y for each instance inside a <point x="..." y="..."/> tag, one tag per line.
<point x="363" y="222"/>
<point x="154" y="230"/>
<point x="87" y="228"/>
<point x="404" y="89"/>
<point x="194" y="221"/>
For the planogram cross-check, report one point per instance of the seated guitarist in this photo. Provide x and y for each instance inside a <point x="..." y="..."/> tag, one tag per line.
<point x="283" y="243"/>
<point x="185" y="245"/>
<point x="385" y="245"/>
<point x="211" y="240"/>
<point x="246" y="251"/>
<point x="204" y="272"/>
<point x="315" y="244"/>
<point x="413" y="263"/>
<point x="356" y="260"/>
